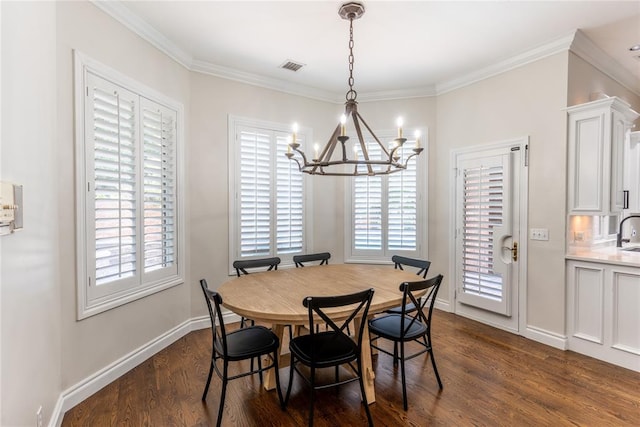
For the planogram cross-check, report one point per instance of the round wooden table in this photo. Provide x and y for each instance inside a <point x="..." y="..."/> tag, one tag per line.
<point x="276" y="297"/>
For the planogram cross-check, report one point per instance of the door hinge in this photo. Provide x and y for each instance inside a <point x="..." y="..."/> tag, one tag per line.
<point x="526" y="155"/>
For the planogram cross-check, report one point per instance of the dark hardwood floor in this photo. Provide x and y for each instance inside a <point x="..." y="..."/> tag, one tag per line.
<point x="491" y="378"/>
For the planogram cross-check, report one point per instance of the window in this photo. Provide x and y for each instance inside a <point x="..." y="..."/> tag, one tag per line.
<point x="129" y="232"/>
<point x="387" y="213"/>
<point x="267" y="192"/>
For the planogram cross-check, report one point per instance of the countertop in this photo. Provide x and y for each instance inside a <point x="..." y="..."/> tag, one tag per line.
<point x="606" y="255"/>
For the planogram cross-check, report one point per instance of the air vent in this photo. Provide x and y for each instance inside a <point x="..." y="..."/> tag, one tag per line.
<point x="291" y="65"/>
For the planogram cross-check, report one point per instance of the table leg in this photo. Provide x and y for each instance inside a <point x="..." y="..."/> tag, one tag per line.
<point x="283" y="360"/>
<point x="367" y="365"/>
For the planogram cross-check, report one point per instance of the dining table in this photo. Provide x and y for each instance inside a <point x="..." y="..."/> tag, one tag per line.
<point x="275" y="297"/>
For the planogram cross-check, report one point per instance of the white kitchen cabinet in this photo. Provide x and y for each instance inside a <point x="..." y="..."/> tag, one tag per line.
<point x="632" y="171"/>
<point x="597" y="133"/>
<point x="603" y="320"/>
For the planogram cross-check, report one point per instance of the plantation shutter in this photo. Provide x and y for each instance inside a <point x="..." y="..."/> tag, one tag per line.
<point x="368" y="206"/>
<point x="289" y="200"/>
<point x="111" y="117"/>
<point x="484" y="197"/>
<point x="255" y="193"/>
<point x="159" y="186"/>
<point x="403" y="205"/>
<point x="385" y="207"/>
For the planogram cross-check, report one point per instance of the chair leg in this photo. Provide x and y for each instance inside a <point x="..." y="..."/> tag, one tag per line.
<point x="278" y="388"/>
<point x="312" y="380"/>
<point x="291" y="369"/>
<point x="223" y="393"/>
<point x="206" y="387"/>
<point x="435" y="369"/>
<point x="259" y="368"/>
<point x="364" y="395"/>
<point x="404" y="379"/>
<point x="395" y="353"/>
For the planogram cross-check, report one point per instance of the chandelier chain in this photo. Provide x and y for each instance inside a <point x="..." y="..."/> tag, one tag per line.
<point x="351" y="94"/>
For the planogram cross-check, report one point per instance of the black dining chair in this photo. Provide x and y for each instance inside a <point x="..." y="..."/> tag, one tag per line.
<point x="241" y="267"/>
<point x="409" y="326"/>
<point x="331" y="348"/>
<point x="323" y="257"/>
<point x="420" y="264"/>
<point x="242" y="344"/>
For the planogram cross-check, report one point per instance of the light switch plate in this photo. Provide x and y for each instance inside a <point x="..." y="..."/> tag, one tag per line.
<point x="539" y="233"/>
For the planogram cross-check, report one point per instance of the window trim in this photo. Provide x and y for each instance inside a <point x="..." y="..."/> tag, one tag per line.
<point x="87" y="307"/>
<point x="422" y="185"/>
<point x="233" y="124"/>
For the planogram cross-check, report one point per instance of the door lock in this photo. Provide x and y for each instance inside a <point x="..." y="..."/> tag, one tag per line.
<point x="514" y="251"/>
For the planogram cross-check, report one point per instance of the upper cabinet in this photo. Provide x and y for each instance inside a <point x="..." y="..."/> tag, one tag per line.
<point x="632" y="171"/>
<point x="597" y="134"/>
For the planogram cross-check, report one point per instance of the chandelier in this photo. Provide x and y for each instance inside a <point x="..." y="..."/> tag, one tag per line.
<point x="361" y="163"/>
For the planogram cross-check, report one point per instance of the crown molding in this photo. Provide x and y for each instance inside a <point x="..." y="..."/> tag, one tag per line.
<point x="139" y="26"/>
<point x="576" y="41"/>
<point x="587" y="50"/>
<point x="264" y="82"/>
<point x="556" y="46"/>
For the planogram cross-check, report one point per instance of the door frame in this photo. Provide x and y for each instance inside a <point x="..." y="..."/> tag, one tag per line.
<point x="523" y="170"/>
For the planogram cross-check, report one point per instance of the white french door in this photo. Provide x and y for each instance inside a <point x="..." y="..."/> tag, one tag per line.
<point x="488" y="245"/>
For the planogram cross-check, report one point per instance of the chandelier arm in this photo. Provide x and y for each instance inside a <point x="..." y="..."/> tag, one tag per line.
<point x="331" y="145"/>
<point x="300" y="167"/>
<point x="304" y="157"/>
<point x="384" y="149"/>
<point x="365" y="153"/>
<point x="334" y="137"/>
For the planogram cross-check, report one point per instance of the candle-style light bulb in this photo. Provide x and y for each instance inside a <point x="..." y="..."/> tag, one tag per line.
<point x="295" y="130"/>
<point x="289" y="146"/>
<point x="343" y="127"/>
<point x="316" y="148"/>
<point x="417" y="135"/>
<point x="399" y="123"/>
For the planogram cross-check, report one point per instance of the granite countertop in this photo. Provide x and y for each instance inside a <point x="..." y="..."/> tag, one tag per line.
<point x="606" y="255"/>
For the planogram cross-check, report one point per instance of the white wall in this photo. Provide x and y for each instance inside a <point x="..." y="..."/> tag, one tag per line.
<point x="212" y="100"/>
<point x="30" y="311"/>
<point x="93" y="343"/>
<point x="527" y="101"/>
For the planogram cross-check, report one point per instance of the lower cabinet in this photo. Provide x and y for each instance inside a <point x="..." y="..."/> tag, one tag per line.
<point x="603" y="312"/>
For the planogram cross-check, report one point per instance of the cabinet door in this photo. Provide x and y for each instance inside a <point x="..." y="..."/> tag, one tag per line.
<point x="589" y="163"/>
<point x="632" y="170"/>
<point x="619" y="129"/>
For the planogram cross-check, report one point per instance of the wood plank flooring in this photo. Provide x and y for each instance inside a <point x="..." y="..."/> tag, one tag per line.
<point x="491" y="378"/>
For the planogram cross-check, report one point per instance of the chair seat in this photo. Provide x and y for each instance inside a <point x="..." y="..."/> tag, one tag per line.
<point x="398" y="310"/>
<point x="249" y="342"/>
<point x="330" y="349"/>
<point x="389" y="327"/>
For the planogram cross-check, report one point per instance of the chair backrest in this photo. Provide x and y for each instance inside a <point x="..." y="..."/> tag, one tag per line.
<point x="409" y="291"/>
<point x="323" y="257"/>
<point x="316" y="306"/>
<point x="242" y="265"/>
<point x="422" y="265"/>
<point x="218" y="334"/>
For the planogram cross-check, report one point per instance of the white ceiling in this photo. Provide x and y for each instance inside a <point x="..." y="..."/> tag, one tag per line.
<point x="400" y="46"/>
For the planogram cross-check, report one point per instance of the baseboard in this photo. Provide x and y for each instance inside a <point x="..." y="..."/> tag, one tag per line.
<point x="549" y="338"/>
<point x="443" y="305"/>
<point x="92" y="384"/>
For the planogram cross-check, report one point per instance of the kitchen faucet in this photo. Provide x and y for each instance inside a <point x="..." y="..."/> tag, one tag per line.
<point x="619" y="236"/>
